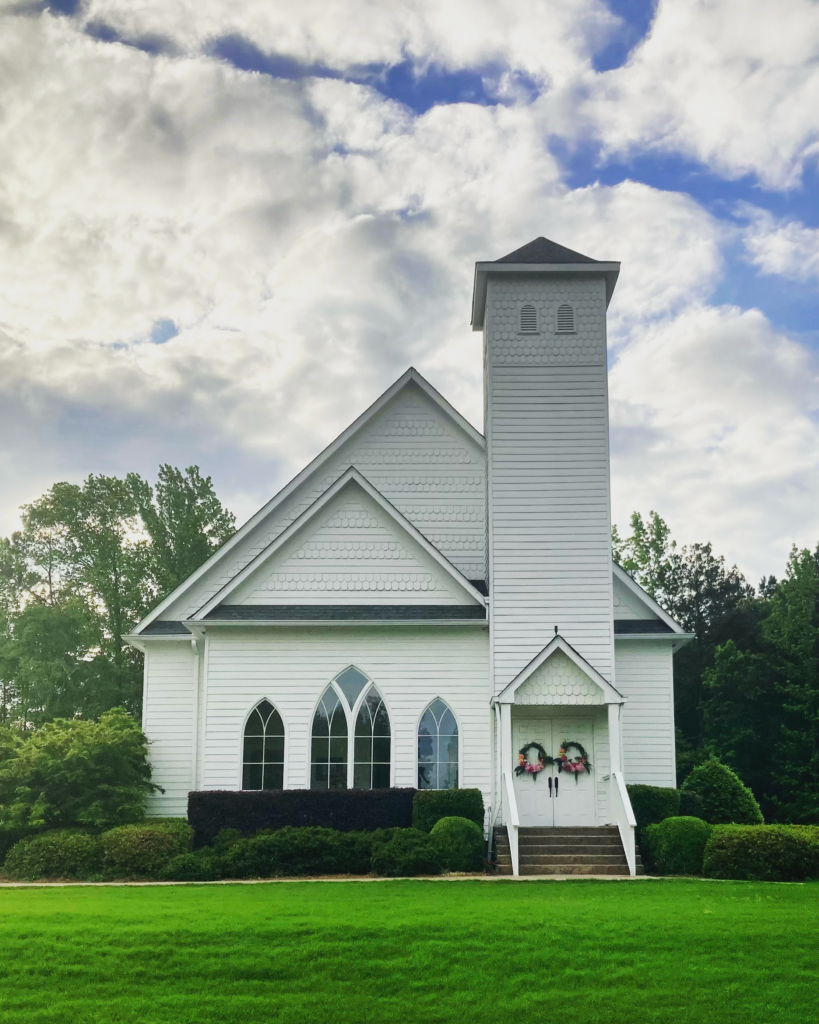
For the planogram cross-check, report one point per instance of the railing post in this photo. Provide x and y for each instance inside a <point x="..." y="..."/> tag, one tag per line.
<point x="624" y="816"/>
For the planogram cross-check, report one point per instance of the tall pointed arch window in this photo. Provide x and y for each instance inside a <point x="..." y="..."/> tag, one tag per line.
<point x="351" y="706"/>
<point x="371" y="769"/>
<point x="438" y="748"/>
<point x="263" y="749"/>
<point x="328" y="749"/>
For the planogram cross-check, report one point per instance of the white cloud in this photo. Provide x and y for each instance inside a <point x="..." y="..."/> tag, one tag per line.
<point x="780" y="246"/>
<point x="731" y="83"/>
<point x="551" y="42"/>
<point x="715" y="424"/>
<point x="310" y="240"/>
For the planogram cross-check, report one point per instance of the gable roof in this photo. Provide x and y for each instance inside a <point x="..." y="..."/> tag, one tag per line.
<point x="351" y="476"/>
<point x="544" y="250"/>
<point x="610" y="694"/>
<point x="649" y="602"/>
<point x="408" y="378"/>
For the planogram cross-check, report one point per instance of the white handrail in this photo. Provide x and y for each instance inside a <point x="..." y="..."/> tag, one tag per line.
<point x="512" y="821"/>
<point x="623" y="815"/>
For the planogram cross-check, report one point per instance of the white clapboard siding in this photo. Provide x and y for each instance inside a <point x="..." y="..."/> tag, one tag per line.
<point x="352" y="551"/>
<point x="548" y="474"/>
<point x="168" y="719"/>
<point x="645" y="677"/>
<point x="418" y="457"/>
<point x="411" y="666"/>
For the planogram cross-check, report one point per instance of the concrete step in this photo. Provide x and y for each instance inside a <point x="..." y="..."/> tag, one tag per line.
<point x="576" y="858"/>
<point x="547" y="846"/>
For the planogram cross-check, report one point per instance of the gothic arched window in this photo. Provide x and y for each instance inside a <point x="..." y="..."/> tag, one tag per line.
<point x="371" y="768"/>
<point x="263" y="750"/>
<point x="438" y="748"/>
<point x="328" y="753"/>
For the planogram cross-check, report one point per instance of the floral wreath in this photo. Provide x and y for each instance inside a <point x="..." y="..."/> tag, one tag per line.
<point x="573" y="765"/>
<point x="525" y="766"/>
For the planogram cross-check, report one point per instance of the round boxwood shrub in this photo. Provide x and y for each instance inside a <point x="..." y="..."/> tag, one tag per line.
<point x="725" y="800"/>
<point x="60" y="853"/>
<point x="763" y="853"/>
<point x="430" y="805"/>
<point x="141" y="851"/>
<point x="408" y="852"/>
<point x="201" y="866"/>
<point x="459" y="842"/>
<point x="677" y="845"/>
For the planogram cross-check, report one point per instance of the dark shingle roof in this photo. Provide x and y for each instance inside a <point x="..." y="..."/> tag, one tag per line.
<point x="624" y="626"/>
<point x="160" y="628"/>
<point x="359" y="612"/>
<point x="544" y="250"/>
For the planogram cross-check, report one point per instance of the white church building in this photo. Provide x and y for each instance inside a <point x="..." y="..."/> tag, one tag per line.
<point x="423" y="602"/>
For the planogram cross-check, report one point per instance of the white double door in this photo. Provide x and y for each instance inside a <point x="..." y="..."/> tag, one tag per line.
<point x="553" y="798"/>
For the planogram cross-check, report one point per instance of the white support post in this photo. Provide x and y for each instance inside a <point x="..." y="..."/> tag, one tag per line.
<point x="510" y="815"/>
<point x="615" y="747"/>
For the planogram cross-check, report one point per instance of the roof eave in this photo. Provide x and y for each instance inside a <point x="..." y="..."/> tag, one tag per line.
<point x="609" y="271"/>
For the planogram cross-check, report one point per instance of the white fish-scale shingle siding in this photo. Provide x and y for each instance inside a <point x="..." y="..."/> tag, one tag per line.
<point x="418" y="458"/>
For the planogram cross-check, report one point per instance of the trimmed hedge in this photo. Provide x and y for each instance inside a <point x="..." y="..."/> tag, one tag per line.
<point x="725" y="799"/>
<point x="459" y="841"/>
<point x="677" y="844"/>
<point x="11" y="836"/>
<point x="59" y="853"/>
<point x="298" y="851"/>
<point x="200" y="866"/>
<point x="430" y="805"/>
<point x="652" y="804"/>
<point x="141" y="851"/>
<point x="345" y="810"/>
<point x="408" y="852"/>
<point x="763" y="853"/>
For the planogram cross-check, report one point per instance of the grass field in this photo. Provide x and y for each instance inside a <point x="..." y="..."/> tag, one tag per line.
<point x="583" y="952"/>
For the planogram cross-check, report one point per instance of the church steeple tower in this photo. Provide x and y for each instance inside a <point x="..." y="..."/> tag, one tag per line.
<point x="542" y="310"/>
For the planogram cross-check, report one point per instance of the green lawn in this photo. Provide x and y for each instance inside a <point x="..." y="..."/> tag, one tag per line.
<point x="584" y="952"/>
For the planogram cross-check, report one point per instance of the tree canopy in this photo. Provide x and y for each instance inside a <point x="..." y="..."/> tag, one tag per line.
<point x="90" y="561"/>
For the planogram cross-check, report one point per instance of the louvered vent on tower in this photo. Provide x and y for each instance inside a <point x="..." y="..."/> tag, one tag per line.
<point x="565" y="319"/>
<point x="528" y="319"/>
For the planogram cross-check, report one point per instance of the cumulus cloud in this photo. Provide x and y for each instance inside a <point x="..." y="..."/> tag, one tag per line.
<point x="298" y="243"/>
<point x="715" y="424"/>
<point x="779" y="245"/>
<point x="551" y="43"/>
<point x="308" y="240"/>
<point x="733" y="84"/>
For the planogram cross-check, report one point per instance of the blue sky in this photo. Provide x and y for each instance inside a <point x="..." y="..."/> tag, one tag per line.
<point x="231" y="225"/>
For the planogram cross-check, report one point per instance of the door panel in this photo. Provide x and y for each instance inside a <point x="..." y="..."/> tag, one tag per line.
<point x="570" y="800"/>
<point x="533" y="795"/>
<point x="574" y="803"/>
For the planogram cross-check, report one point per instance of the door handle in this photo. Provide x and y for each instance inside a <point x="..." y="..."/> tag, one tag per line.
<point x="557" y="780"/>
<point x="550" y="785"/>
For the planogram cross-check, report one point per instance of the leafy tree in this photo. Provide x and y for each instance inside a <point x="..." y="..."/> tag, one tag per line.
<point x="88" y="564"/>
<point x="708" y="599"/>
<point x="185" y="520"/>
<point x="78" y="773"/>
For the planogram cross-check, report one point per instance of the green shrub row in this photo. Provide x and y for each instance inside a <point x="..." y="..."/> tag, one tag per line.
<point x="754" y="853"/>
<point x="161" y="849"/>
<point x="128" y="851"/>
<point x="763" y="853"/>
<point x="454" y="844"/>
